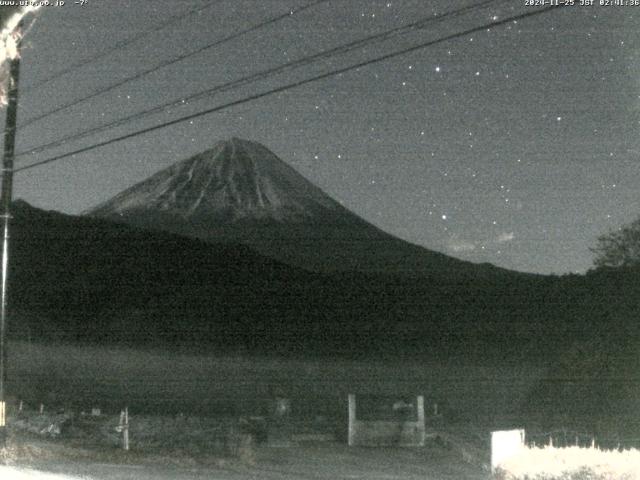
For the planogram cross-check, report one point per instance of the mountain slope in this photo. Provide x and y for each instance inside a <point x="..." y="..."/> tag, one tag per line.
<point x="90" y="279"/>
<point x="239" y="191"/>
<point x="233" y="181"/>
<point x="83" y="278"/>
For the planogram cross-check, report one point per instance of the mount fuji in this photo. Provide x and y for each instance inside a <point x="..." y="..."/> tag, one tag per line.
<point x="241" y="192"/>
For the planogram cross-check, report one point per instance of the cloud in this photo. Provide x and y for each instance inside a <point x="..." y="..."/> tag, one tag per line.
<point x="505" y="237"/>
<point x="457" y="245"/>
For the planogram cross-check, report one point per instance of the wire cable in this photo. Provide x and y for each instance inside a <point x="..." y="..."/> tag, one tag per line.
<point x="170" y="62"/>
<point x="366" y="41"/>
<point x="119" y="45"/>
<point x="290" y="86"/>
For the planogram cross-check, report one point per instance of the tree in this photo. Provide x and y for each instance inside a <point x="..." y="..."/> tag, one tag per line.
<point x="619" y="248"/>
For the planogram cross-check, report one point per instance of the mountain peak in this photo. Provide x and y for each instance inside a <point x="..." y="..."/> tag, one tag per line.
<point x="241" y="192"/>
<point x="240" y="141"/>
<point x="234" y="180"/>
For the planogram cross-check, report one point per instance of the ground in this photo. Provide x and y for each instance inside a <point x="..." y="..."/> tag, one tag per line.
<point x="304" y="461"/>
<point x="191" y="414"/>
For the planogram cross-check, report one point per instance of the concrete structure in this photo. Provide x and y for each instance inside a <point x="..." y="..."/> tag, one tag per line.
<point x="505" y="444"/>
<point x="387" y="422"/>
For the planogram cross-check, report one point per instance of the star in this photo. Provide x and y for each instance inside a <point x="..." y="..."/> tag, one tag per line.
<point x="508" y="120"/>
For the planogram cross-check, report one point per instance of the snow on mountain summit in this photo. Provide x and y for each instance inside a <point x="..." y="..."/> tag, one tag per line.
<point x="236" y="179"/>
<point x="240" y="192"/>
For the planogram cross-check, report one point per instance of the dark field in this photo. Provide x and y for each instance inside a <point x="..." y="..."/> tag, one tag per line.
<point x="158" y="386"/>
<point x="169" y="383"/>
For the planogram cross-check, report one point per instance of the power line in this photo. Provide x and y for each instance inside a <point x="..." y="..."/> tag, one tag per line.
<point x="172" y="61"/>
<point x="379" y="37"/>
<point x="290" y="86"/>
<point x="119" y="45"/>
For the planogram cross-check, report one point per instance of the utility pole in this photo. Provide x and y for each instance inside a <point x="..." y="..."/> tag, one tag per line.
<point x="5" y="209"/>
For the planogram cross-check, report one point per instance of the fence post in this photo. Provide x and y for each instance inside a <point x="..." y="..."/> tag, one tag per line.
<point x="352" y="419"/>
<point x="124" y="427"/>
<point x="279" y="428"/>
<point x="420" y="419"/>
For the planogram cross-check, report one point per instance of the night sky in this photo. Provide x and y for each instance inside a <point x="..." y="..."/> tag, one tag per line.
<point x="516" y="146"/>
